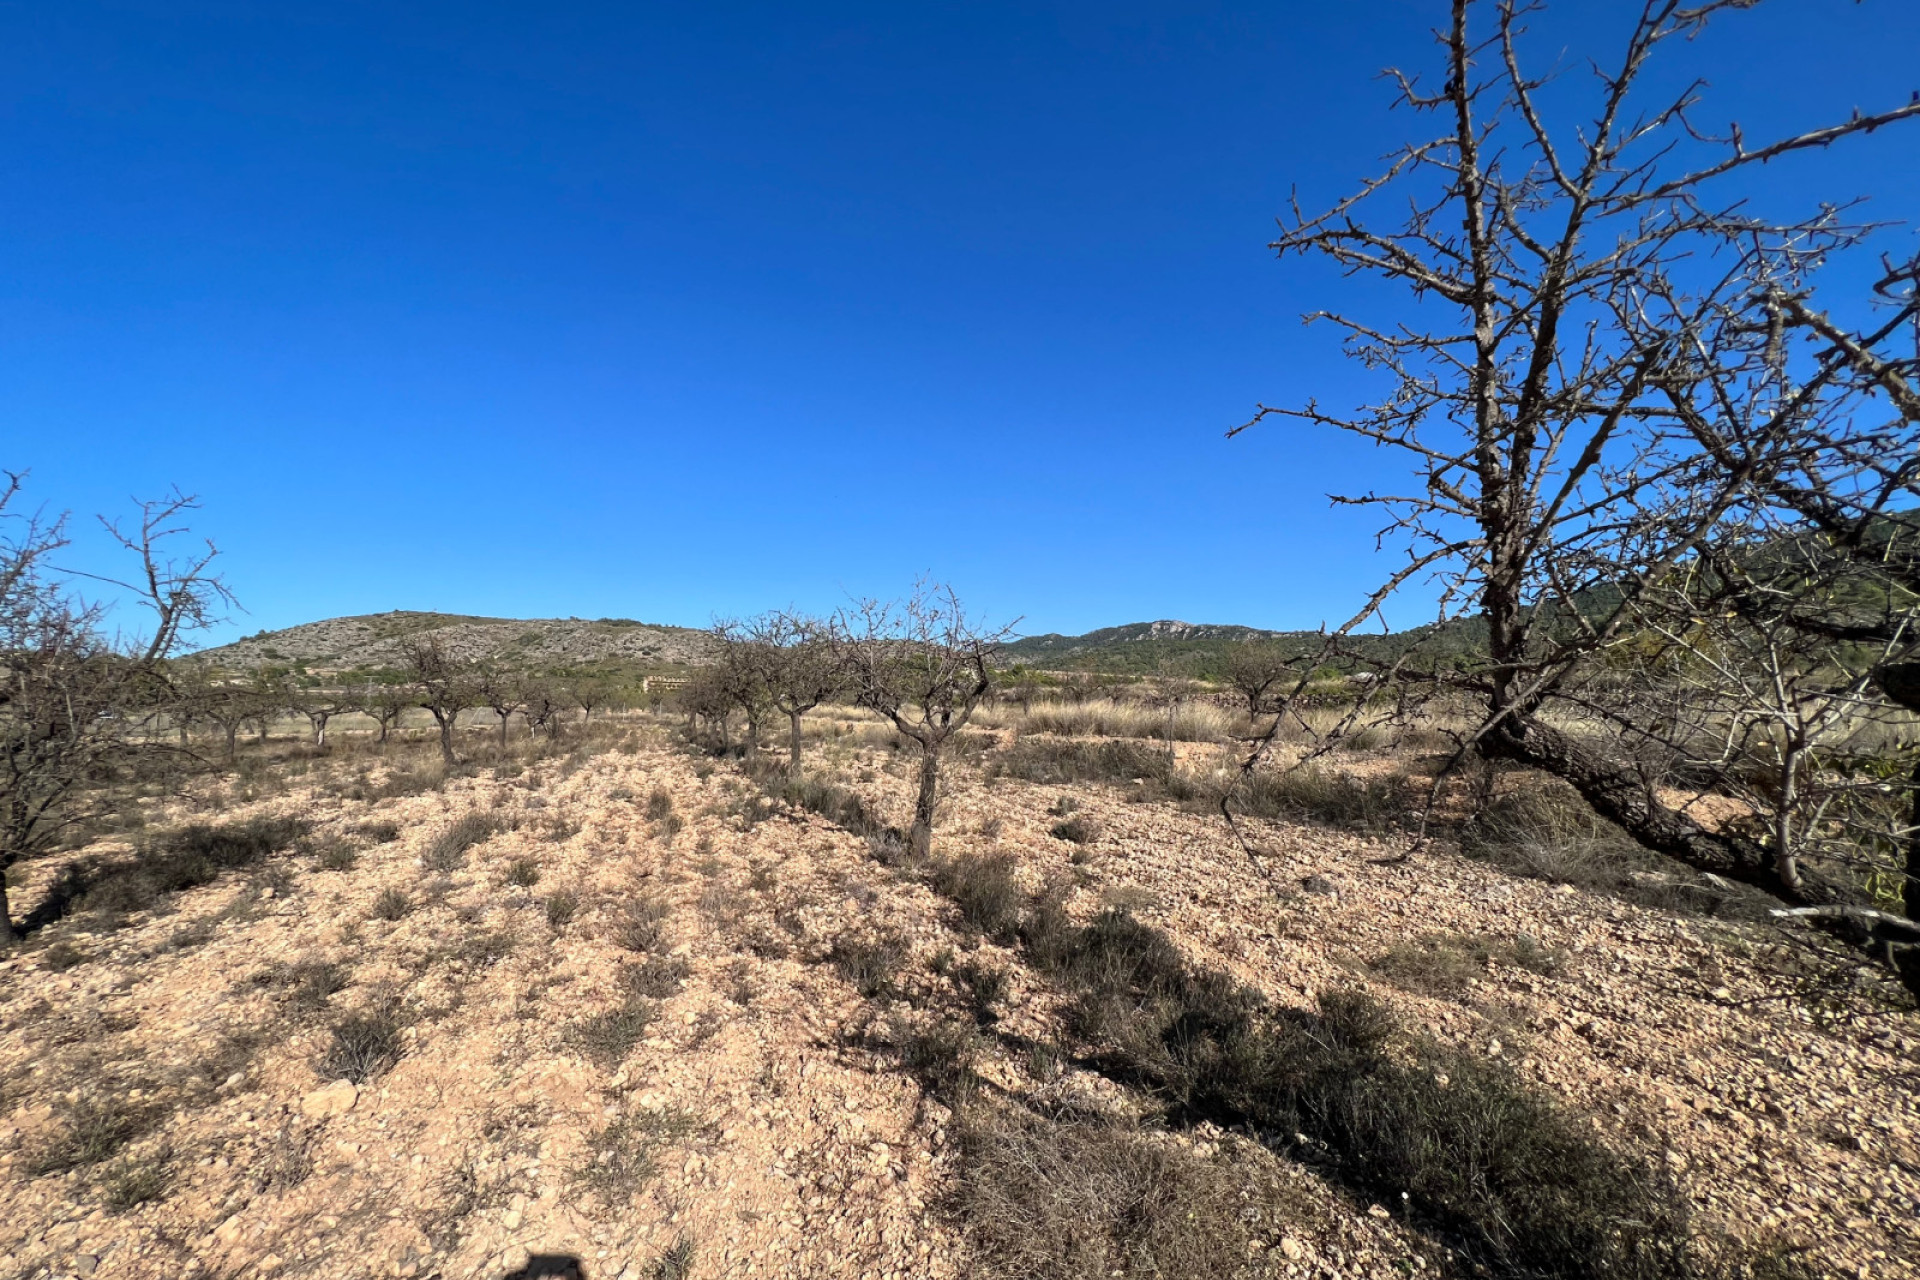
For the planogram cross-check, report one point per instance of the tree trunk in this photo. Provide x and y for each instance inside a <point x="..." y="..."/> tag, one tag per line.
<point x="7" y="931"/>
<point x="233" y="741"/>
<point x="1912" y="887"/>
<point x="1620" y="795"/>
<point x="383" y="731"/>
<point x="920" y="835"/>
<point x="319" y="731"/>
<point x="446" y="735"/>
<point x="504" y="717"/>
<point x="793" y="759"/>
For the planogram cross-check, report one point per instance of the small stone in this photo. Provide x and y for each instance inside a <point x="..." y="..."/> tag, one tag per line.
<point x="334" y="1099"/>
<point x="84" y="1264"/>
<point x="1292" y="1248"/>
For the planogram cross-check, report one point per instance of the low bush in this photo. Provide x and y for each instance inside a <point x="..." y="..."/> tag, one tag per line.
<point x="1078" y="829"/>
<point x="1543" y="830"/>
<point x="185" y="859"/>
<point x="656" y="977"/>
<point x="1059" y="760"/>
<point x="1319" y="795"/>
<point x="641" y="926"/>
<point x="1519" y="1187"/>
<point x="1083" y="1198"/>
<point x="523" y="873"/>
<point x="609" y="1037"/>
<point x="92" y="1128"/>
<point x="984" y="889"/>
<point x="363" y="1045"/>
<point x="392" y="904"/>
<point x="870" y="964"/>
<point x="129" y="1183"/>
<point x="448" y="852"/>
<point x="1444" y="964"/>
<point x="562" y="906"/>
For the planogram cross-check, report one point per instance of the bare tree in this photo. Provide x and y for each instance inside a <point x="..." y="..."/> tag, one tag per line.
<point x="386" y="701"/>
<point x="205" y="694"/>
<point x="544" y="703"/>
<point x="442" y="683"/>
<point x="922" y="665"/>
<point x="505" y="692"/>
<point x="741" y="670"/>
<point x="795" y="668"/>
<point x="77" y="706"/>
<point x="320" y="706"/>
<point x="1257" y="670"/>
<point x="1617" y="404"/>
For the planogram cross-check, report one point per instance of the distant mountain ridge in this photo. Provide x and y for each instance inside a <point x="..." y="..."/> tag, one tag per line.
<point x="376" y="640"/>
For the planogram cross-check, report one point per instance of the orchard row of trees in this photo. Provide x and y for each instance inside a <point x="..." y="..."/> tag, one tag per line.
<point x="921" y="664"/>
<point x="430" y="678"/>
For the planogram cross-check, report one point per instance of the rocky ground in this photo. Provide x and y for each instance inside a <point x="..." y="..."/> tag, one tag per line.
<point x="652" y="1021"/>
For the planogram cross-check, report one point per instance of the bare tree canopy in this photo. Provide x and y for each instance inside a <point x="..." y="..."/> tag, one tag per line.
<point x="443" y="684"/>
<point x="78" y="705"/>
<point x="794" y="665"/>
<point x="924" y="666"/>
<point x="1672" y="478"/>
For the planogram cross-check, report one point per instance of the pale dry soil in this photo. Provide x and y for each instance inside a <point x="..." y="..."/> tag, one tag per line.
<point x="777" y="1135"/>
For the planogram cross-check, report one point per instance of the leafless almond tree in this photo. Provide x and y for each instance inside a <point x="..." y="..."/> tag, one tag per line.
<point x="442" y="683"/>
<point x="922" y="665"/>
<point x="1623" y="396"/>
<point x="796" y="666"/>
<point x="78" y="706"/>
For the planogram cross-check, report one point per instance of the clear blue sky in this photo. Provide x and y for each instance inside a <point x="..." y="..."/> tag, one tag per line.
<point x="669" y="310"/>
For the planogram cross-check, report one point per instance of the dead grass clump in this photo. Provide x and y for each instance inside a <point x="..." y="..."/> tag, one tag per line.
<point x="1320" y="795"/>
<point x="641" y="927"/>
<point x="609" y="1037"/>
<point x="1083" y="1198"/>
<point x="1513" y="1183"/>
<point x="363" y="1045"/>
<point x="1058" y="760"/>
<point x="1116" y="718"/>
<point x="523" y="873"/>
<point x="659" y="805"/>
<point x="392" y="904"/>
<point x="448" y="852"/>
<point x="984" y="889"/>
<point x="186" y="859"/>
<point x="1444" y="964"/>
<point x="562" y="906"/>
<point x="92" y="1128"/>
<point x="381" y="832"/>
<point x="656" y="977"/>
<point x="870" y="964"/>
<point x="1545" y="831"/>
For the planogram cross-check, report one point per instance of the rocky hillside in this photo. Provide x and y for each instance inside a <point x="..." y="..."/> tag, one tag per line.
<point x="374" y="640"/>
